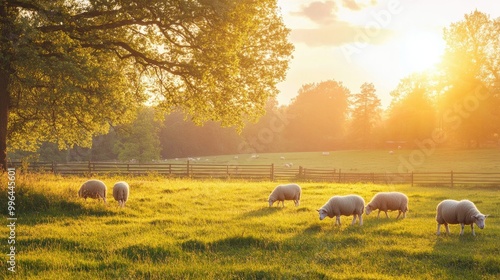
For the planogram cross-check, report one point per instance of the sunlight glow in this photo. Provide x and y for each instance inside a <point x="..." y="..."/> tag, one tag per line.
<point x="420" y="50"/>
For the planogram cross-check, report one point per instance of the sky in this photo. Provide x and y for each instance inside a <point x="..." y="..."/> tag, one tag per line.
<point x="373" y="41"/>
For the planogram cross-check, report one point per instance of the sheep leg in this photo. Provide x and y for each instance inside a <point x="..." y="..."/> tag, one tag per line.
<point x="462" y="229"/>
<point x="337" y="220"/>
<point x="447" y="228"/>
<point x="353" y="219"/>
<point x="438" y="227"/>
<point x="387" y="216"/>
<point x="399" y="214"/>
<point x="360" y="219"/>
<point x="103" y="198"/>
<point x="378" y="216"/>
<point x="472" y="228"/>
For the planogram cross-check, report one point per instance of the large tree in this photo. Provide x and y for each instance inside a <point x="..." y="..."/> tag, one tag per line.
<point x="70" y="69"/>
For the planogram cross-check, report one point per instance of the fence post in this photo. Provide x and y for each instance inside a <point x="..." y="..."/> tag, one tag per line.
<point x="272" y="171"/>
<point x="53" y="167"/>
<point x="300" y="172"/>
<point x="411" y="178"/>
<point x="187" y="170"/>
<point x="452" y="178"/>
<point x="340" y="176"/>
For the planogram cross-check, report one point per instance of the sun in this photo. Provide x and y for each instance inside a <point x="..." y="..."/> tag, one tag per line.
<point x="420" y="50"/>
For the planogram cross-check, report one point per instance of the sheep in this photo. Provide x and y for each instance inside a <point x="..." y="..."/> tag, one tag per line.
<point x="392" y="201"/>
<point x="121" y="191"/>
<point x="343" y="205"/>
<point x="462" y="212"/>
<point x="285" y="192"/>
<point x="93" y="189"/>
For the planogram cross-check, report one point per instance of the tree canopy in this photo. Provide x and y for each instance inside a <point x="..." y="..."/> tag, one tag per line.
<point x="71" y="69"/>
<point x="365" y="114"/>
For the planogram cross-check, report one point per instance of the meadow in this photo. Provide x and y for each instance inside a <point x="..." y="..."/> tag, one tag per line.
<point x="211" y="229"/>
<point x="431" y="160"/>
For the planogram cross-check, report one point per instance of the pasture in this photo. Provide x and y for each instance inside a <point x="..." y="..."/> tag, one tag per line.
<point x="431" y="160"/>
<point x="212" y="229"/>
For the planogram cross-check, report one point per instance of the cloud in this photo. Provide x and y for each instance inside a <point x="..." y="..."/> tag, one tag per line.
<point x="351" y="5"/>
<point x="325" y="12"/>
<point x="319" y="12"/>
<point x="334" y="32"/>
<point x="341" y="33"/>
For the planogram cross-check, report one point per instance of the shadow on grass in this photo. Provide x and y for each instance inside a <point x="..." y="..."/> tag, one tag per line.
<point x="57" y="244"/>
<point x="467" y="256"/>
<point x="230" y="244"/>
<point x="141" y="253"/>
<point x="265" y="211"/>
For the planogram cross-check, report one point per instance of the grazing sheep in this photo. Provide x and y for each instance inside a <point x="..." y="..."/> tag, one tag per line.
<point x="93" y="189"/>
<point x="462" y="212"/>
<point x="388" y="201"/>
<point x="285" y="192"/>
<point x="121" y="191"/>
<point x="343" y="205"/>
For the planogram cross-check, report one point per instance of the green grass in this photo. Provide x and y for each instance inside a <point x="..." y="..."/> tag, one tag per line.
<point x="438" y="160"/>
<point x="188" y="229"/>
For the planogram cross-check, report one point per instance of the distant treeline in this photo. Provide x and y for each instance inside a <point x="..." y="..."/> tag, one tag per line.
<point x="323" y="117"/>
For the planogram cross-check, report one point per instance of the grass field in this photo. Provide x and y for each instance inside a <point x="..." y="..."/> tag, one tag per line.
<point x="438" y="160"/>
<point x="187" y="229"/>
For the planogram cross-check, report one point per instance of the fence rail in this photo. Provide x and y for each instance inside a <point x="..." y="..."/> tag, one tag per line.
<point x="262" y="172"/>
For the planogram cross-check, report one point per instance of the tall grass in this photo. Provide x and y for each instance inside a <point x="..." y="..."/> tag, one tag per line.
<point x="188" y="229"/>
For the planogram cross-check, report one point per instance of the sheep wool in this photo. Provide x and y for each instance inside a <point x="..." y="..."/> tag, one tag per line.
<point x="388" y="201"/>
<point x="121" y="192"/>
<point x="94" y="189"/>
<point x="343" y="205"/>
<point x="285" y="192"/>
<point x="462" y="212"/>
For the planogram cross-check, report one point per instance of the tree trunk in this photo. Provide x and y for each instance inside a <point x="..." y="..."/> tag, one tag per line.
<point x="6" y="53"/>
<point x="4" y="117"/>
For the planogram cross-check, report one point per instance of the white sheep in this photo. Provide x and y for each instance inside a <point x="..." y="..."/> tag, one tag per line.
<point x="285" y="192"/>
<point x="462" y="212"/>
<point x="388" y="201"/>
<point x="121" y="191"/>
<point x="93" y="189"/>
<point x="343" y="205"/>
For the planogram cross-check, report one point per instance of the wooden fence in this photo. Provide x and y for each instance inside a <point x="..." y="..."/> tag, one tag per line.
<point x="262" y="172"/>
